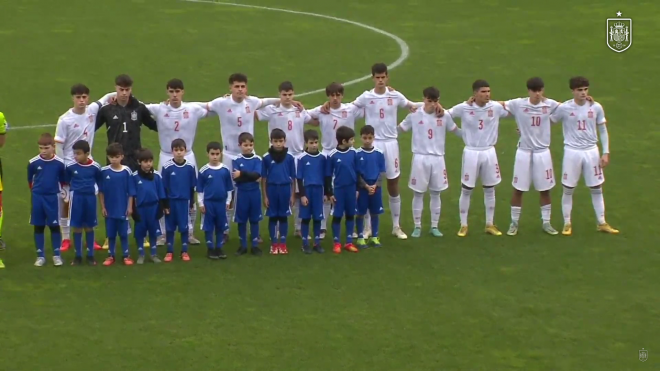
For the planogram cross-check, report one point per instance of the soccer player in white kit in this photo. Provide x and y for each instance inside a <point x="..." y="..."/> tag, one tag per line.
<point x="291" y="120"/>
<point x="533" y="163"/>
<point x="480" y="124"/>
<point x="339" y="114"/>
<point x="78" y="123"/>
<point x="582" y="123"/>
<point x="428" y="171"/>
<point x="177" y="120"/>
<point x="236" y="114"/>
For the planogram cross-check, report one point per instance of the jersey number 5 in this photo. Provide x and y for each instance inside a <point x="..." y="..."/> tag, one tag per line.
<point x="240" y="121"/>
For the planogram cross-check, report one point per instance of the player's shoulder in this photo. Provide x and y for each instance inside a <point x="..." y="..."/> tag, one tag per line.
<point x="204" y="168"/>
<point x="290" y="156"/>
<point x="252" y="100"/>
<point x="126" y="169"/>
<point x="58" y="159"/>
<point x="106" y="167"/>
<point x="189" y="164"/>
<point x="333" y="152"/>
<point x="35" y="158"/>
<point x="167" y="164"/>
<point x="157" y="174"/>
<point x="597" y="106"/>
<point x="96" y="165"/>
<point x="67" y="116"/>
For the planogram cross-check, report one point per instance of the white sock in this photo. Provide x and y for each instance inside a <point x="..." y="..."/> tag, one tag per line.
<point x="395" y="210"/>
<point x="367" y="221"/>
<point x="599" y="204"/>
<point x="515" y="214"/>
<point x="417" y="208"/>
<point x="436" y="205"/>
<point x="464" y="205"/>
<point x="65" y="230"/>
<point x="326" y="215"/>
<point x="162" y="227"/>
<point x="489" y="202"/>
<point x="296" y="208"/>
<point x="546" y="210"/>
<point x="192" y="218"/>
<point x="129" y="229"/>
<point x="230" y="218"/>
<point x="567" y="204"/>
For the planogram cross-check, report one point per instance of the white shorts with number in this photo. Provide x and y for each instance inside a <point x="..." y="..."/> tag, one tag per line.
<point x="164" y="157"/>
<point x="582" y="162"/>
<point x="390" y="150"/>
<point x="480" y="164"/>
<point x="533" y="167"/>
<point x="428" y="173"/>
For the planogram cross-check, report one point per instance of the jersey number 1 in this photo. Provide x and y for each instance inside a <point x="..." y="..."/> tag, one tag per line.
<point x="125" y="131"/>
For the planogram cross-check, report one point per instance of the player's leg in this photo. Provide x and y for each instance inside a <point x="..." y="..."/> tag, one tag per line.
<point x="64" y="217"/>
<point x="305" y="214"/>
<point x="192" y="213"/>
<point x="420" y="174"/>
<point x="51" y="213"/>
<point x="162" y="239"/>
<point x="522" y="177"/>
<point x="140" y="232"/>
<point x="227" y="159"/>
<point x="39" y="243"/>
<point x="111" y="235"/>
<point x="375" y="210"/>
<point x="240" y="215"/>
<point x="38" y="221"/>
<point x="316" y="200"/>
<point x="122" y="231"/>
<point x="594" y="179"/>
<point x="438" y="183"/>
<point x="544" y="180"/>
<point x="362" y="208"/>
<point x="90" y="222"/>
<point x="255" y="216"/>
<point x="170" y="229"/>
<point x="284" y="212"/>
<point x="183" y="217"/>
<point x="337" y="214"/>
<point x="221" y="225"/>
<point x="392" y="173"/>
<point x="327" y="208"/>
<point x="490" y="177"/>
<point x="572" y="170"/>
<point x="273" y="218"/>
<point x="469" y="171"/>
<point x="75" y="220"/>
<point x="349" y="210"/>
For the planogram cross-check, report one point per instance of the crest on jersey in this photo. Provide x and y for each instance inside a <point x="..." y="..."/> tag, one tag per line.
<point x="545" y="110"/>
<point x="591" y="114"/>
<point x="618" y="33"/>
<point x="134" y="116"/>
<point x="389" y="101"/>
<point x="490" y="113"/>
<point x="247" y="108"/>
<point x="185" y="114"/>
<point x="438" y="122"/>
<point x="280" y="114"/>
<point x="344" y="114"/>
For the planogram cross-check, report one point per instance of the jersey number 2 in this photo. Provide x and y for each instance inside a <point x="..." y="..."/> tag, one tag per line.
<point x="176" y="126"/>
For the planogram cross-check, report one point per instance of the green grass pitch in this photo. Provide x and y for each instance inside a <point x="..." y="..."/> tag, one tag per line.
<point x="532" y="302"/>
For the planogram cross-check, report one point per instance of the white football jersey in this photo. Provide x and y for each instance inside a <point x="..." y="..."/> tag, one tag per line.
<point x="480" y="125"/>
<point x="291" y="121"/>
<point x="381" y="111"/>
<point x="533" y="121"/>
<point x="177" y="123"/>
<point x="580" y="123"/>
<point x="72" y="127"/>
<point x="429" y="132"/>
<point x="345" y="115"/>
<point x="235" y="118"/>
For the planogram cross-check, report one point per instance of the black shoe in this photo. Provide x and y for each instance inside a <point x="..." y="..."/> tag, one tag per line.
<point x="220" y="254"/>
<point x="211" y="254"/>
<point x="256" y="251"/>
<point x="306" y="250"/>
<point x="241" y="251"/>
<point x="91" y="260"/>
<point x="318" y="249"/>
<point x="76" y="261"/>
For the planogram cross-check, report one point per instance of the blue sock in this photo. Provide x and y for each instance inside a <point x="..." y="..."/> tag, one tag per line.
<point x="374" y="225"/>
<point x="152" y="241"/>
<point x="242" y="234"/>
<point x="219" y="238"/>
<point x="284" y="229"/>
<point x="359" y="223"/>
<point x="89" y="238"/>
<point x="304" y="230"/>
<point x="112" y="244"/>
<point x="317" y="232"/>
<point x="56" y="242"/>
<point x="272" y="229"/>
<point x="184" y="240"/>
<point x="40" y="243"/>
<point x="254" y="233"/>
<point x="140" y="245"/>
<point x="124" y="245"/>
<point x="169" y="240"/>
<point x="350" y="227"/>
<point x="77" y="243"/>
<point x="208" y="236"/>
<point x="336" y="230"/>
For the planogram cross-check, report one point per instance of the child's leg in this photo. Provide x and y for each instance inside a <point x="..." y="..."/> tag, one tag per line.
<point x="254" y="233"/>
<point x="40" y="240"/>
<point x="219" y="238"/>
<point x="184" y="240"/>
<point x="89" y="238"/>
<point x="336" y="229"/>
<point x="123" y="237"/>
<point x="111" y="233"/>
<point x="375" y="225"/>
<point x="77" y="241"/>
<point x="55" y="239"/>
<point x="284" y="229"/>
<point x="317" y="231"/>
<point x="242" y="234"/>
<point x="367" y="221"/>
<point x="359" y="223"/>
<point x="304" y="229"/>
<point x="208" y="236"/>
<point x="272" y="229"/>
<point x="169" y="240"/>
<point x="350" y="227"/>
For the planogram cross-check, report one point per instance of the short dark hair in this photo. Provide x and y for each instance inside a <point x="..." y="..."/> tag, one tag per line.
<point x="285" y="86"/>
<point x="311" y="135"/>
<point x="124" y="81"/>
<point x="46" y="139"/>
<point x="245" y="137"/>
<point x="175" y="84"/>
<point x="114" y="149"/>
<point x="431" y="93"/>
<point x="334" y="89"/>
<point x="79" y="89"/>
<point x="213" y="145"/>
<point x="344" y="133"/>
<point x="178" y="143"/>
<point x="237" y="77"/>
<point x="277" y="134"/>
<point x="479" y="84"/>
<point x="144" y="154"/>
<point x="378" y="68"/>
<point x="578" y="82"/>
<point x="535" y="84"/>
<point x="81" y="145"/>
<point x="367" y="130"/>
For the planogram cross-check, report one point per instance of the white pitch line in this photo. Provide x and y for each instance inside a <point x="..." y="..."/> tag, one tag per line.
<point x="403" y="46"/>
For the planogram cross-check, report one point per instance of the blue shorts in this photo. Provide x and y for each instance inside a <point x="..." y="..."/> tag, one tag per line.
<point x="215" y="218"/>
<point x="373" y="203"/>
<point x="346" y="202"/>
<point x="248" y="206"/>
<point x="82" y="210"/>
<point x="279" y="198"/>
<point x="44" y="210"/>
<point x="314" y="209"/>
<point x="178" y="216"/>
<point x="148" y="222"/>
<point x="116" y="226"/>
